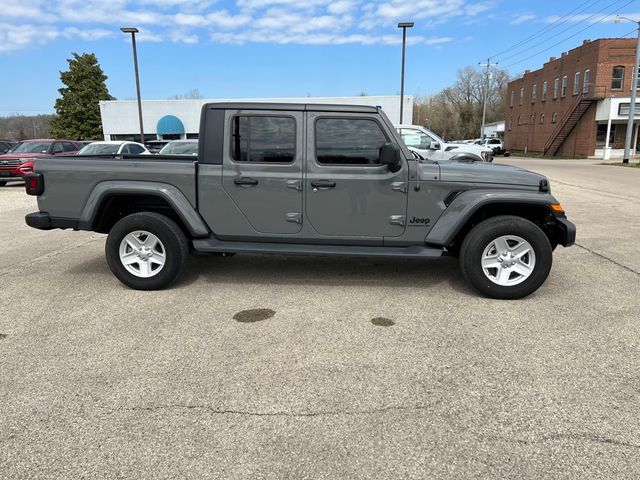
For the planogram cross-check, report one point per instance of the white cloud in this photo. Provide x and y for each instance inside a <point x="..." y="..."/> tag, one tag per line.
<point x="522" y="18"/>
<point x="316" y="22"/>
<point x="592" y="18"/>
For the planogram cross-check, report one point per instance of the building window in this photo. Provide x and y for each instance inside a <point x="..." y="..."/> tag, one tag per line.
<point x="617" y="78"/>
<point x="576" y="83"/>
<point x="554" y="117"/>
<point x="563" y="93"/>
<point x="601" y="134"/>
<point x="532" y="119"/>
<point x="521" y="95"/>
<point x="342" y="141"/>
<point x="623" y="109"/>
<point x="585" y="81"/>
<point x="544" y="91"/>
<point x="510" y="122"/>
<point x="534" y="89"/>
<point x="556" y="87"/>
<point x="519" y="119"/>
<point x="263" y="139"/>
<point x="511" y="99"/>
<point x="542" y="119"/>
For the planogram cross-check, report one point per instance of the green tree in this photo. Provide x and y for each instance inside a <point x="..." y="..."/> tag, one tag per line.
<point x="78" y="109"/>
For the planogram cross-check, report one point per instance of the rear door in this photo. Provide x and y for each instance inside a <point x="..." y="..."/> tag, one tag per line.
<point x="348" y="192"/>
<point x="262" y="168"/>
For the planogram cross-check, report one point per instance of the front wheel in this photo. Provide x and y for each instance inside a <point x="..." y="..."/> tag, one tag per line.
<point x="146" y="251"/>
<point x="506" y="257"/>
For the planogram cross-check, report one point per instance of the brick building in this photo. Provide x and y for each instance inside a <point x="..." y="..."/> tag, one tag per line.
<point x="568" y="106"/>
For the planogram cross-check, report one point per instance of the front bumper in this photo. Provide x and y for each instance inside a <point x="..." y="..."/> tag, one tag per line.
<point x="565" y="232"/>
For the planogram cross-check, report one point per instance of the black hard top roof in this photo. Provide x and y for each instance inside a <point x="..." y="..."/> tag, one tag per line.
<point x="309" y="107"/>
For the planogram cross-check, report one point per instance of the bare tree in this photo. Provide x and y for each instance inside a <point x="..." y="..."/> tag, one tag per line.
<point x="194" y="93"/>
<point x="456" y="111"/>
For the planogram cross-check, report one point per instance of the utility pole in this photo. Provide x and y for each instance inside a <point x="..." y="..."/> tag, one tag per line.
<point x="488" y="65"/>
<point x="634" y="88"/>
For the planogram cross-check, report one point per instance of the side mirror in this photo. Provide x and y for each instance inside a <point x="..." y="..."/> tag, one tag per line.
<point x="390" y="156"/>
<point x="434" y="146"/>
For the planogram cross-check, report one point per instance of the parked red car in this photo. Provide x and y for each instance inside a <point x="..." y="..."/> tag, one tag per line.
<point x="16" y="163"/>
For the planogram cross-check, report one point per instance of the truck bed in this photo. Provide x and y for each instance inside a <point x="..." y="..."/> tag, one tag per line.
<point x="70" y="180"/>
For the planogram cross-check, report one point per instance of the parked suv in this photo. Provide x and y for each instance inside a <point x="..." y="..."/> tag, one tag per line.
<point x="431" y="147"/>
<point x="19" y="161"/>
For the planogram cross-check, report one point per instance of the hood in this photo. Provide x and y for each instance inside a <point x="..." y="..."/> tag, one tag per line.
<point x="495" y="173"/>
<point x="18" y="156"/>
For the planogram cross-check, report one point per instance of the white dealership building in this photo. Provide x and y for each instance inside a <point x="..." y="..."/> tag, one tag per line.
<point x="180" y="119"/>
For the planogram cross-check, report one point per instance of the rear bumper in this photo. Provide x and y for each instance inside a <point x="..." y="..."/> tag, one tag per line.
<point x="43" y="221"/>
<point x="566" y="232"/>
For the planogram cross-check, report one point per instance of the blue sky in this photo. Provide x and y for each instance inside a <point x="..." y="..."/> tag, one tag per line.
<point x="284" y="48"/>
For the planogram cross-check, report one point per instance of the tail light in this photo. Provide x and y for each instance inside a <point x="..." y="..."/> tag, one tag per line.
<point x="34" y="183"/>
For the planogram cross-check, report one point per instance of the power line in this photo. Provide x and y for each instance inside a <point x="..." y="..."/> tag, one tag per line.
<point x="565" y="39"/>
<point x="599" y="12"/>
<point x="551" y="26"/>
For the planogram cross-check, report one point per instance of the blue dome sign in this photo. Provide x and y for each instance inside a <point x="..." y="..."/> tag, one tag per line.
<point x="170" y="125"/>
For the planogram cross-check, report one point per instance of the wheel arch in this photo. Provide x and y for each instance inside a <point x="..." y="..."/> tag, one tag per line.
<point x="110" y="201"/>
<point x="471" y="207"/>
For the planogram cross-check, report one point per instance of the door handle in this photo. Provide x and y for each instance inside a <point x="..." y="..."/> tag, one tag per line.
<point x="323" y="184"/>
<point x="245" y="181"/>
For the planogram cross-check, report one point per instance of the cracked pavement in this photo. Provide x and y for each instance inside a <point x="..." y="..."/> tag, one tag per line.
<point x="97" y="380"/>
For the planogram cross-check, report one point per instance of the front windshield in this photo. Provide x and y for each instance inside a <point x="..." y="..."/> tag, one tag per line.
<point x="180" y="148"/>
<point x="100" y="149"/>
<point x="31" y="147"/>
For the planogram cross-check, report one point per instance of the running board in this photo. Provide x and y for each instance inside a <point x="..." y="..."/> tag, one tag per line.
<point x="212" y="245"/>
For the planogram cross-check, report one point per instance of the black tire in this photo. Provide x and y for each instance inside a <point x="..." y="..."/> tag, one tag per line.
<point x="174" y="242"/>
<point x="483" y="234"/>
<point x="3" y="183"/>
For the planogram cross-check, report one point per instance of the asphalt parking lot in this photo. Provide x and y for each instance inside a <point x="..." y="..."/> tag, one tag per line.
<point x="366" y="369"/>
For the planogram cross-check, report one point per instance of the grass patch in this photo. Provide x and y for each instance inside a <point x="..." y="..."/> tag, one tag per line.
<point x="540" y="155"/>
<point x="620" y="164"/>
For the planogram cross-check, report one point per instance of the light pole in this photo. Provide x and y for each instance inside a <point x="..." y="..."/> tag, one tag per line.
<point x="634" y="87"/>
<point x="133" y="31"/>
<point x="403" y="26"/>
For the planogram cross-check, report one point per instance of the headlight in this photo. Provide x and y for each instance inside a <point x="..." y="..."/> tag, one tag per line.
<point x="23" y="160"/>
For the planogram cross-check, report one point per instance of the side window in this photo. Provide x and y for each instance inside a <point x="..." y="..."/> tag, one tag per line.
<point x="125" y="150"/>
<point x="263" y="139"/>
<point x="57" y="148"/>
<point x="348" y="141"/>
<point x="135" y="149"/>
<point x="68" y="147"/>
<point x="415" y="138"/>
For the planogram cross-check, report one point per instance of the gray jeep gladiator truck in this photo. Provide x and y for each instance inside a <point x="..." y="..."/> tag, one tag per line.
<point x="305" y="179"/>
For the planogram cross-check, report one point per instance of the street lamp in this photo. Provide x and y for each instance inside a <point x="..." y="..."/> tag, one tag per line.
<point x="634" y="87"/>
<point x="133" y="31"/>
<point x="403" y="26"/>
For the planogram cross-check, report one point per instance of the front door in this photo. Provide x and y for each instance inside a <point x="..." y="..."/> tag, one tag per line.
<point x="262" y="170"/>
<point x="348" y="192"/>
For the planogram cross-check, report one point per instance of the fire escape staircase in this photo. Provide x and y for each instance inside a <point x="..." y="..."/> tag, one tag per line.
<point x="571" y="118"/>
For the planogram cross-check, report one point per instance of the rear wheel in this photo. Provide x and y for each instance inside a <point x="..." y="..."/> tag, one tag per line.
<point x="146" y="251"/>
<point x="506" y="257"/>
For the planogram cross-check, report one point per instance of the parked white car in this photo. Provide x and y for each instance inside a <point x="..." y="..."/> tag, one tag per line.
<point x="494" y="144"/>
<point x="180" y="147"/>
<point x="114" y="147"/>
<point x="431" y="147"/>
